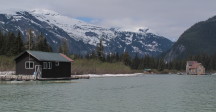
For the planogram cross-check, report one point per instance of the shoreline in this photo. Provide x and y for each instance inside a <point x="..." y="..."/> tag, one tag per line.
<point x="87" y="76"/>
<point x="112" y="75"/>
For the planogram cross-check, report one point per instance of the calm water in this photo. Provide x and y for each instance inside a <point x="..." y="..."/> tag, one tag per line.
<point x="149" y="93"/>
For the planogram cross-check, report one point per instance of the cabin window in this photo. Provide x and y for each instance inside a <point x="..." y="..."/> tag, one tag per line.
<point x="29" y="65"/>
<point x="57" y="63"/>
<point x="49" y="65"/>
<point x="44" y="65"/>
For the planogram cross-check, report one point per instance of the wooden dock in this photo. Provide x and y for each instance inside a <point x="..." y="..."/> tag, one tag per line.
<point x="31" y="78"/>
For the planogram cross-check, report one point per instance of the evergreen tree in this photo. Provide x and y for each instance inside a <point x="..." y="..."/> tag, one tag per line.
<point x="126" y="59"/>
<point x="1" y="43"/>
<point x="42" y="45"/>
<point x="19" y="44"/>
<point x="108" y="58"/>
<point x="100" y="51"/>
<point x="117" y="57"/>
<point x="5" y="49"/>
<point x="63" y="48"/>
<point x="161" y="65"/>
<point x="11" y="45"/>
<point x="135" y="64"/>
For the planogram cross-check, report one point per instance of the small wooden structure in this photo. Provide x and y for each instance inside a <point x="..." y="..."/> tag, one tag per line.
<point x="194" y="68"/>
<point x="43" y="64"/>
<point x="147" y="71"/>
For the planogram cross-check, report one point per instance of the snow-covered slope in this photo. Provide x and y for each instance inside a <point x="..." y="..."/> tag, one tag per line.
<point x="75" y="28"/>
<point x="83" y="37"/>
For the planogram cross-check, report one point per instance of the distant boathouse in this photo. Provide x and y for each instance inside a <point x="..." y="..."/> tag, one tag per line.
<point x="194" y="68"/>
<point x="43" y="64"/>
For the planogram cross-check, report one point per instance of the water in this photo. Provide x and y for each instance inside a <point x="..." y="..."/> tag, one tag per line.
<point x="148" y="93"/>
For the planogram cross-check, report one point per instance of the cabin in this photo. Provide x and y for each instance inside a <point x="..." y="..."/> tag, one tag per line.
<point x="194" y="68"/>
<point x="44" y="64"/>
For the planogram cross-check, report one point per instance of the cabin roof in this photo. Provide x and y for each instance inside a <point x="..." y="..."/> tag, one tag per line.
<point x="193" y="64"/>
<point x="190" y="63"/>
<point x="47" y="56"/>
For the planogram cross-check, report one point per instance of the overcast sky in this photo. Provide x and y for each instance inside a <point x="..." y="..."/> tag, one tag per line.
<point x="169" y="18"/>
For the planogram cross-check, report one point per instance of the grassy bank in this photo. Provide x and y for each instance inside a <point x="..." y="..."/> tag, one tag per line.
<point x="88" y="66"/>
<point x="92" y="66"/>
<point x="7" y="63"/>
<point x="80" y="66"/>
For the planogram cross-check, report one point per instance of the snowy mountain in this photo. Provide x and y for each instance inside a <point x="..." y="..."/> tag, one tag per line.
<point x="82" y="37"/>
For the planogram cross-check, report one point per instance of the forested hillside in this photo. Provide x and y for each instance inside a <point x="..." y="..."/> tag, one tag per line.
<point x="198" y="39"/>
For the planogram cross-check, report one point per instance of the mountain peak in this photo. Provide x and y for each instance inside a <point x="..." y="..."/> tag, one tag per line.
<point x="11" y="11"/>
<point x="133" y="29"/>
<point x="45" y="12"/>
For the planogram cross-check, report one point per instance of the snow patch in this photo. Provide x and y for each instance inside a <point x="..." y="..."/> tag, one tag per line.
<point x="141" y="30"/>
<point x="153" y="47"/>
<point x="137" y="50"/>
<point x="113" y="75"/>
<point x="2" y="22"/>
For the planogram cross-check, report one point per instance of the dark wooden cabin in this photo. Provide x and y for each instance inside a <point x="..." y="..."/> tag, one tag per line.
<point x="46" y="64"/>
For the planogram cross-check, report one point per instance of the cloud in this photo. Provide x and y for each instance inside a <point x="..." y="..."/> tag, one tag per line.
<point x="169" y="18"/>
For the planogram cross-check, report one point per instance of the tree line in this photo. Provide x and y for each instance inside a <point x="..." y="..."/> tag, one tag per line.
<point x="12" y="44"/>
<point x="137" y="62"/>
<point x="150" y="62"/>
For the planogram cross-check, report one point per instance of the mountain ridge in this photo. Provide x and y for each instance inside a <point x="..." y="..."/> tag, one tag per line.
<point x="83" y="37"/>
<point x="198" y="39"/>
